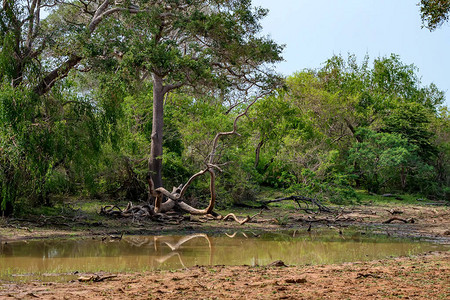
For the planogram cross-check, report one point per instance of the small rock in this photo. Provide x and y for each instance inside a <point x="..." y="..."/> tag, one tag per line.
<point x="296" y="280"/>
<point x="32" y="295"/>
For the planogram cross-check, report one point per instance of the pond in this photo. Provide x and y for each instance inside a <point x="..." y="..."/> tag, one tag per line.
<point x="138" y="253"/>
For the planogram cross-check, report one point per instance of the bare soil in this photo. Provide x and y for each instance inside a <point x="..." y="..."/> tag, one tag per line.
<point x="425" y="276"/>
<point x="422" y="277"/>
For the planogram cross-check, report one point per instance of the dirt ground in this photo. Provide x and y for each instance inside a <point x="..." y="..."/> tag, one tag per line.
<point x="425" y="276"/>
<point x="422" y="277"/>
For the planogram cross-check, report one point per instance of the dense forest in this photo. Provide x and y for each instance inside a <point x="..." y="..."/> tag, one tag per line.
<point x="96" y="95"/>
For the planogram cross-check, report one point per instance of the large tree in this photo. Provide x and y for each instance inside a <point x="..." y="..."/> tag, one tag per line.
<point x="38" y="52"/>
<point x="43" y="122"/>
<point x="202" y="46"/>
<point x="207" y="47"/>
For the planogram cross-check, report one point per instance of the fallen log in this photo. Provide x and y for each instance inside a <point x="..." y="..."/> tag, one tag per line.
<point x="301" y="199"/>
<point x="410" y="220"/>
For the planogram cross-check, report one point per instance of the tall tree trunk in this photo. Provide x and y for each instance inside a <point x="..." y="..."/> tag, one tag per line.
<point x="257" y="152"/>
<point x="156" y="151"/>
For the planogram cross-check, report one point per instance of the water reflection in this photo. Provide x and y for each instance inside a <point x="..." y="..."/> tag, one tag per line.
<point x="137" y="253"/>
<point x="176" y="246"/>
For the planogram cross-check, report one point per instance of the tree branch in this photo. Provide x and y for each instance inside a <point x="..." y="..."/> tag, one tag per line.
<point x="170" y="87"/>
<point x="234" y="131"/>
<point x="47" y="83"/>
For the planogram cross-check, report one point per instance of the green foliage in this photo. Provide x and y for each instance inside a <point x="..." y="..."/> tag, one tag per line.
<point x="335" y="187"/>
<point x="378" y="158"/>
<point x="440" y="126"/>
<point x="47" y="143"/>
<point x="434" y="13"/>
<point x="411" y="121"/>
<point x="371" y="198"/>
<point x="16" y="136"/>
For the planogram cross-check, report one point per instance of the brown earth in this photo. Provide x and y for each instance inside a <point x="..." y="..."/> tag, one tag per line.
<point x="424" y="276"/>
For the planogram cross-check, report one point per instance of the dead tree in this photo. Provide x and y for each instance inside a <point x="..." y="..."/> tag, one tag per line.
<point x="166" y="201"/>
<point x="301" y="199"/>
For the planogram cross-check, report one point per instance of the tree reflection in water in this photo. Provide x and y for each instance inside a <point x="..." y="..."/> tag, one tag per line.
<point x="158" y="252"/>
<point x="140" y="241"/>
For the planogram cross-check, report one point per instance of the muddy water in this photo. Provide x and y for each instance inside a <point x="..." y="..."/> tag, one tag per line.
<point x="137" y="253"/>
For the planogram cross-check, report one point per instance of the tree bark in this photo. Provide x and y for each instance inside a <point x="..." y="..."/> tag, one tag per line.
<point x="156" y="150"/>
<point x="257" y="152"/>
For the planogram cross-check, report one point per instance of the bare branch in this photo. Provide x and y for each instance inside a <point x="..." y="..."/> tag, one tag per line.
<point x="234" y="131"/>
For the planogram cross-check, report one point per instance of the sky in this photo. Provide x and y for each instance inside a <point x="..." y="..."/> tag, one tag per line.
<point x="314" y="30"/>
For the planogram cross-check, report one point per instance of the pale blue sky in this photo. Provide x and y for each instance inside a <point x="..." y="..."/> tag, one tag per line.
<point x="314" y="30"/>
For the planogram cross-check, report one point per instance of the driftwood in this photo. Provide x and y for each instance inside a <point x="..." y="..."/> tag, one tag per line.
<point x="241" y="222"/>
<point x="165" y="201"/>
<point x="301" y="199"/>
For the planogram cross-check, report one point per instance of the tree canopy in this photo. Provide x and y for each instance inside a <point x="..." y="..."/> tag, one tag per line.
<point x="434" y="13"/>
